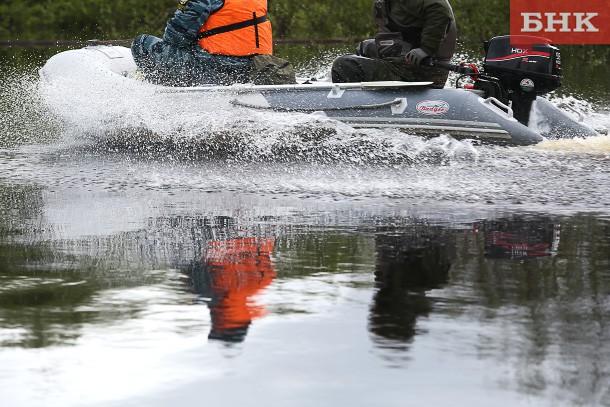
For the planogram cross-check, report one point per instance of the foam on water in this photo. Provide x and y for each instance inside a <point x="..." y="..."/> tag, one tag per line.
<point x="586" y="112"/>
<point x="598" y="144"/>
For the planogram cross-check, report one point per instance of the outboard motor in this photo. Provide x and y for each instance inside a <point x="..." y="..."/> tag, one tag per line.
<point x="518" y="68"/>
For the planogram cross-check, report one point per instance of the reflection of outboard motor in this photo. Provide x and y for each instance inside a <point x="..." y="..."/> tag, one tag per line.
<point x="520" y="238"/>
<point x="517" y="69"/>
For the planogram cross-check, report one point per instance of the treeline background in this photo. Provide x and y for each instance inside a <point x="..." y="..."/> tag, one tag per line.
<point x="292" y="19"/>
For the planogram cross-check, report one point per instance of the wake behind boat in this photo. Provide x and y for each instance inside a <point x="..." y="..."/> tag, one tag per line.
<point x="503" y="106"/>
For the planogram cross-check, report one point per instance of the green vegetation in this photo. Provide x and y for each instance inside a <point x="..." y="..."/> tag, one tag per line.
<point x="75" y="20"/>
<point x="292" y="19"/>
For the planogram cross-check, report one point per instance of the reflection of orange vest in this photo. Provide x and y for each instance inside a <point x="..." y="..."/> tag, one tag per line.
<point x="239" y="269"/>
<point x="239" y="28"/>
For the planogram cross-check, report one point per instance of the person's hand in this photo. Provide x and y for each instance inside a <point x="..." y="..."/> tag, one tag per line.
<point x="182" y="4"/>
<point x="416" y="56"/>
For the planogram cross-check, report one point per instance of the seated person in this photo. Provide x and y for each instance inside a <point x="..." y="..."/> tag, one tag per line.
<point x="409" y="32"/>
<point x="206" y="42"/>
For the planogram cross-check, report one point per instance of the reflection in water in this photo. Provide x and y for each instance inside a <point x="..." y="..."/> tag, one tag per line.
<point x="231" y="272"/>
<point x="542" y="316"/>
<point x="110" y="296"/>
<point x="409" y="263"/>
<point x="519" y="238"/>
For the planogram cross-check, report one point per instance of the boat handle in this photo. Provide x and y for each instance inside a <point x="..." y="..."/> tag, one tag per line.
<point x="581" y="116"/>
<point x="496" y="103"/>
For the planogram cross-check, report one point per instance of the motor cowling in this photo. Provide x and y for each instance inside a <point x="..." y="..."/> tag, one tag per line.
<point x="517" y="69"/>
<point x="523" y="64"/>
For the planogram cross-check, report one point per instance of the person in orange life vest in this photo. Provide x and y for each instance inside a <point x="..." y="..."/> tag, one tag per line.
<point x="206" y="42"/>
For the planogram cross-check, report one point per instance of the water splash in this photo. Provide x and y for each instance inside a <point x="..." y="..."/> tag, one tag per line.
<point x="131" y="116"/>
<point x="24" y="117"/>
<point x="319" y="67"/>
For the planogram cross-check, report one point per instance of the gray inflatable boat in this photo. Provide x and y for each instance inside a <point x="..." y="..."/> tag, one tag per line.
<point x="502" y="104"/>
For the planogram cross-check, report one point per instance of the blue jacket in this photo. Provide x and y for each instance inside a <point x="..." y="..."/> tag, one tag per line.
<point x="183" y="27"/>
<point x="178" y="60"/>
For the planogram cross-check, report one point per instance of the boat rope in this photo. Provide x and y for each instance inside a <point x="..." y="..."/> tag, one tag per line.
<point x="395" y="102"/>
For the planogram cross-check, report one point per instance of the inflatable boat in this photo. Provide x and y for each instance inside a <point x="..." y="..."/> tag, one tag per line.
<point x="500" y="103"/>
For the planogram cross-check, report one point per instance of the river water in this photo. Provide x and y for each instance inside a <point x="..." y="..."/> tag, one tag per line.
<point x="284" y="259"/>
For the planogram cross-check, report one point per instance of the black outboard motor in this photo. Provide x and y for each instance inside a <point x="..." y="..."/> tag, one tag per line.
<point x="518" y="68"/>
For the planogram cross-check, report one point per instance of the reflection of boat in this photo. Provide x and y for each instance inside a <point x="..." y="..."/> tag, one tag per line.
<point x="498" y="109"/>
<point x="232" y="272"/>
<point x="409" y="263"/>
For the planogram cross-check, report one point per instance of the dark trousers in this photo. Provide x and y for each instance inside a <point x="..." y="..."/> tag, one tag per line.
<point x="354" y="68"/>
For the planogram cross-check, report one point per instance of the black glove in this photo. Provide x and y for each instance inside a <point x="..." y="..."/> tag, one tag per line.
<point x="416" y="56"/>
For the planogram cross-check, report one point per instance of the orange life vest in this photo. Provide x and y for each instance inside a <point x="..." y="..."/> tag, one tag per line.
<point x="239" y="28"/>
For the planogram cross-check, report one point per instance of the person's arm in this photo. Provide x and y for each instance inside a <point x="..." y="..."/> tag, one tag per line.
<point x="183" y="27"/>
<point x="437" y="15"/>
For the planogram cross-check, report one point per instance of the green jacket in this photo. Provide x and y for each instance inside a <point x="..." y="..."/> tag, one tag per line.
<point x="433" y="18"/>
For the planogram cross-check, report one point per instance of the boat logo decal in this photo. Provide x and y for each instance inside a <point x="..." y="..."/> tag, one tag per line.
<point x="432" y="107"/>
<point x="527" y="85"/>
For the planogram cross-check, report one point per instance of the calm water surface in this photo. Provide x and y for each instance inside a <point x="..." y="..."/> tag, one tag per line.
<point x="286" y="260"/>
